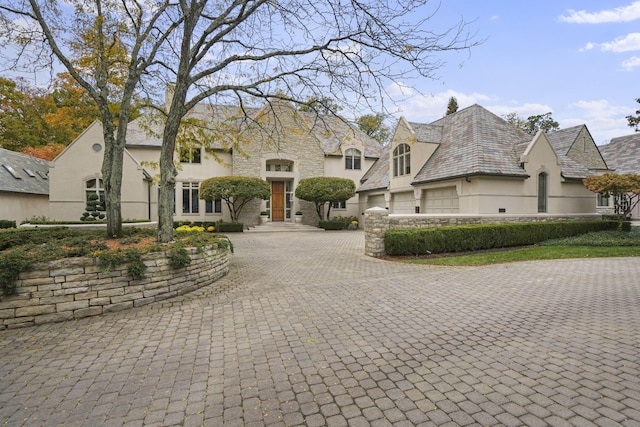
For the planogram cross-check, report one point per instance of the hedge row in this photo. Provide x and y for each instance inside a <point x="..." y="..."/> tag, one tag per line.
<point x="421" y="241"/>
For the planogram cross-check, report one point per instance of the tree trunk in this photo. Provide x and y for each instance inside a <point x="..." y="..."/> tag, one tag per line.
<point x="168" y="170"/>
<point x="112" y="179"/>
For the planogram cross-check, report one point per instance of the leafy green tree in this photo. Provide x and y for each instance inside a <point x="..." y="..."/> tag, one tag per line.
<point x="322" y="190"/>
<point x="533" y="124"/>
<point x="625" y="189"/>
<point x="373" y="125"/>
<point x="452" y="106"/>
<point x="634" y="121"/>
<point x="236" y="191"/>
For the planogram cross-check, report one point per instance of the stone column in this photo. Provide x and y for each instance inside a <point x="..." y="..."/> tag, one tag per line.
<point x="376" y="224"/>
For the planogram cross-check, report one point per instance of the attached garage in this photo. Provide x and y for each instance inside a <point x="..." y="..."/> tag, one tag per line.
<point x="403" y="203"/>
<point x="441" y="200"/>
<point x="376" y="200"/>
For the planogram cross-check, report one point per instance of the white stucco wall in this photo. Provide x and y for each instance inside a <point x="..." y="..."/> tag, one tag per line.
<point x="21" y="207"/>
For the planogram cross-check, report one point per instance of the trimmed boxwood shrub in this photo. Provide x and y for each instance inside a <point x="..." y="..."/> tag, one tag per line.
<point x="229" y="227"/>
<point x="421" y="241"/>
<point x="332" y="224"/>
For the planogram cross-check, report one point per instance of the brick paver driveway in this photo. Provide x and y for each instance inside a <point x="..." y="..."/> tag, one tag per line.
<point x="307" y="331"/>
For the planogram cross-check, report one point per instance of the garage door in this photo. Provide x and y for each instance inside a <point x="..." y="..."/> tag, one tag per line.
<point x="403" y="203"/>
<point x="441" y="200"/>
<point x="377" y="200"/>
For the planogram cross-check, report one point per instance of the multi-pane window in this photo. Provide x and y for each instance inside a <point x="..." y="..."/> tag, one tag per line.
<point x="352" y="159"/>
<point x="213" y="206"/>
<point x="402" y="160"/>
<point x="339" y="205"/>
<point x="190" y="155"/>
<point x="190" y="201"/>
<point x="95" y="186"/>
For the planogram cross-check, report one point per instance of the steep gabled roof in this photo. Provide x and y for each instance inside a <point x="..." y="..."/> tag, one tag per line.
<point x="563" y="139"/>
<point x="427" y="132"/>
<point x="20" y="173"/>
<point x="474" y="141"/>
<point x="623" y="153"/>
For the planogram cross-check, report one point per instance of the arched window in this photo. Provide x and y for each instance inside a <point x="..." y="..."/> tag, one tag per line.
<point x="542" y="192"/>
<point x="402" y="160"/>
<point x="352" y="159"/>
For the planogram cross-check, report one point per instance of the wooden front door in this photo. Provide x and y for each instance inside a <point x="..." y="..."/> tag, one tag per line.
<point x="277" y="201"/>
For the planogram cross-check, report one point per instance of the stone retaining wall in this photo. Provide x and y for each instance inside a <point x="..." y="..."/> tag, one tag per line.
<point x="378" y="220"/>
<point x="73" y="288"/>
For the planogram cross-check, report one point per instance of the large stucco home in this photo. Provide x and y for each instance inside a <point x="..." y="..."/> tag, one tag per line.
<point x="277" y="143"/>
<point x="471" y="162"/>
<point x="474" y="162"/>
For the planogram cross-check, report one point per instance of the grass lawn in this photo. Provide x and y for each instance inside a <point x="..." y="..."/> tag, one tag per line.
<point x="591" y="245"/>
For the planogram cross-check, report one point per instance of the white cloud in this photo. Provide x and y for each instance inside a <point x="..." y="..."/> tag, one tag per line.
<point x="427" y="108"/>
<point x="619" y="14"/>
<point x="631" y="63"/>
<point x="522" y="110"/>
<point x="628" y="43"/>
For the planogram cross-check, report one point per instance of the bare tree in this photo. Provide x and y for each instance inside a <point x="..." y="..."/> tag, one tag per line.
<point x="106" y="46"/>
<point x="238" y="52"/>
<point x="243" y="51"/>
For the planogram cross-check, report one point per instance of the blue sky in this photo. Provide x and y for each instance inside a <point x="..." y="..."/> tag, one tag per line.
<point x="579" y="60"/>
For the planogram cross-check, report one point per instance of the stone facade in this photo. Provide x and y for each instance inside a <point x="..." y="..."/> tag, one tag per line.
<point x="378" y="221"/>
<point x="79" y="287"/>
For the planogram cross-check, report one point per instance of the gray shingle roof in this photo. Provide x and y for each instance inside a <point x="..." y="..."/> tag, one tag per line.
<point x="474" y="142"/>
<point x="563" y="139"/>
<point x="332" y="132"/>
<point x="31" y="173"/>
<point x="377" y="177"/>
<point x="623" y="153"/>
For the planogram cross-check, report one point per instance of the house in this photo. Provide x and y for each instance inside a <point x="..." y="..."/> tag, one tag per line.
<point x="24" y="186"/>
<point x="474" y="162"/>
<point x="623" y="156"/>
<point x="277" y="143"/>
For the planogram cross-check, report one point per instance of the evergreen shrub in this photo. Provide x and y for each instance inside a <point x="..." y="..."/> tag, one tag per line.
<point x="433" y="240"/>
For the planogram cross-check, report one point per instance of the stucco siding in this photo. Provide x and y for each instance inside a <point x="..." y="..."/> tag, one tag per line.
<point x="22" y="207"/>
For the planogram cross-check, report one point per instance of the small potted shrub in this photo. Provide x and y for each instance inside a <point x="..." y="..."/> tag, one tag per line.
<point x="264" y="217"/>
<point x="298" y="217"/>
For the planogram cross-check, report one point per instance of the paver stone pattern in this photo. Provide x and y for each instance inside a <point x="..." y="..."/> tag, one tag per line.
<point x="307" y="331"/>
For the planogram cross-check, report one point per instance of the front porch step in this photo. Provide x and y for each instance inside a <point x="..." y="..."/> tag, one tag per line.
<point x="281" y="226"/>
